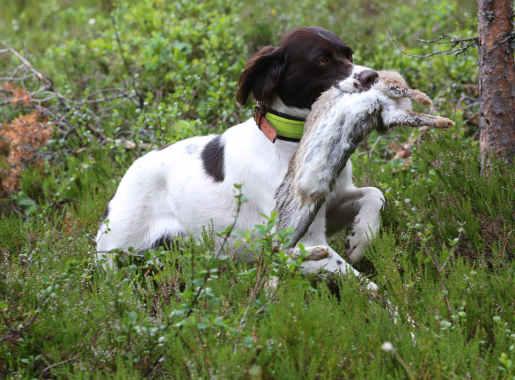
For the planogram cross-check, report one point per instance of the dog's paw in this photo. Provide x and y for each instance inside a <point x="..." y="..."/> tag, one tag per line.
<point x="332" y="263"/>
<point x="313" y="253"/>
<point x="318" y="252"/>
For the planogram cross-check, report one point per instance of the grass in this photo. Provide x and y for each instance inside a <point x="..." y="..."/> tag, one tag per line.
<point x="64" y="317"/>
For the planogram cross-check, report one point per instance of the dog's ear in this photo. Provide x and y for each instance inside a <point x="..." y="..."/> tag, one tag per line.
<point x="261" y="75"/>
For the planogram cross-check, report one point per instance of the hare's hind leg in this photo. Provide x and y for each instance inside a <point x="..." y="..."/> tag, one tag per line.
<point x="392" y="118"/>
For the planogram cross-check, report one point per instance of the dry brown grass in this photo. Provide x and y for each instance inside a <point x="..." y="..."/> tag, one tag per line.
<point x="20" y="141"/>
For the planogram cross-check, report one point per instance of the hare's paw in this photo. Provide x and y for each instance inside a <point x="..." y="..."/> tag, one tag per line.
<point x="443" y="122"/>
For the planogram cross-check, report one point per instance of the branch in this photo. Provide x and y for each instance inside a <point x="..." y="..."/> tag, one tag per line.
<point x="47" y="369"/>
<point x="48" y="83"/>
<point x="126" y="64"/>
<point x="458" y="45"/>
<point x="40" y="98"/>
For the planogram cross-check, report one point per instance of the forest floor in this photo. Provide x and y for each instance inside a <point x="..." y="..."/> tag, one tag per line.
<point x="127" y="77"/>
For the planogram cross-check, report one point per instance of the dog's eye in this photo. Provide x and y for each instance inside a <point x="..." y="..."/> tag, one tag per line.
<point x="323" y="60"/>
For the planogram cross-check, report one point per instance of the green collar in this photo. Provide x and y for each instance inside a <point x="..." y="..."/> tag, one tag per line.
<point x="286" y="127"/>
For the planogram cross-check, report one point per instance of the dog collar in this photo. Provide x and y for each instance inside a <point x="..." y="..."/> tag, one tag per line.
<point x="276" y="125"/>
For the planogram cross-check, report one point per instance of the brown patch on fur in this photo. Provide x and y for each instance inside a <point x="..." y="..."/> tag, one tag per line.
<point x="213" y="159"/>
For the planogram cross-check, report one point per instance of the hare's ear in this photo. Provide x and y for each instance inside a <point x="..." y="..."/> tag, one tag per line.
<point x="261" y="75"/>
<point x="420" y="97"/>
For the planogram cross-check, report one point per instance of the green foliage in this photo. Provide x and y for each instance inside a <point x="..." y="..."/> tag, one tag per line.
<point x="444" y="256"/>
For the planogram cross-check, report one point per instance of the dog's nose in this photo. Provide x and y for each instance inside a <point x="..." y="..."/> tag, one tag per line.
<point x="367" y="78"/>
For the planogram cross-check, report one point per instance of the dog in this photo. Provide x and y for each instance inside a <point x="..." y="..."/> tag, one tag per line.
<point x="187" y="186"/>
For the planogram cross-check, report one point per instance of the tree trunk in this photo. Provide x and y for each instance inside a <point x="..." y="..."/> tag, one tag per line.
<point x="496" y="81"/>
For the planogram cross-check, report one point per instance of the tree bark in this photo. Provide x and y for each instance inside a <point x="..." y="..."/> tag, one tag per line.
<point x="496" y="81"/>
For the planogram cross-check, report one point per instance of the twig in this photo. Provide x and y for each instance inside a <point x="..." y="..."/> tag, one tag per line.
<point x="51" y="366"/>
<point x="126" y="63"/>
<point x="121" y="95"/>
<point x="258" y="286"/>
<point x="459" y="45"/>
<point x="445" y="291"/>
<point x="413" y="140"/>
<point x="48" y="83"/>
<point x="404" y="365"/>
<point x="17" y="333"/>
<point x="372" y="148"/>
<point x="446" y="38"/>
<point x="46" y="93"/>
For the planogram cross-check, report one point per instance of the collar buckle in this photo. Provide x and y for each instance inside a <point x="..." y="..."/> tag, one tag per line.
<point x="263" y="124"/>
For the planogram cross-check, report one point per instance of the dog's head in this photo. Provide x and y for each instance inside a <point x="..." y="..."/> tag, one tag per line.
<point x="306" y="63"/>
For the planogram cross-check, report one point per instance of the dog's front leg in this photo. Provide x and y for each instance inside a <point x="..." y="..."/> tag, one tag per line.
<point x="360" y="209"/>
<point x="321" y="258"/>
<point x="333" y="264"/>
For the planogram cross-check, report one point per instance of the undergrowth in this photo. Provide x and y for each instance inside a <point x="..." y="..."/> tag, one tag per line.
<point x="444" y="256"/>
